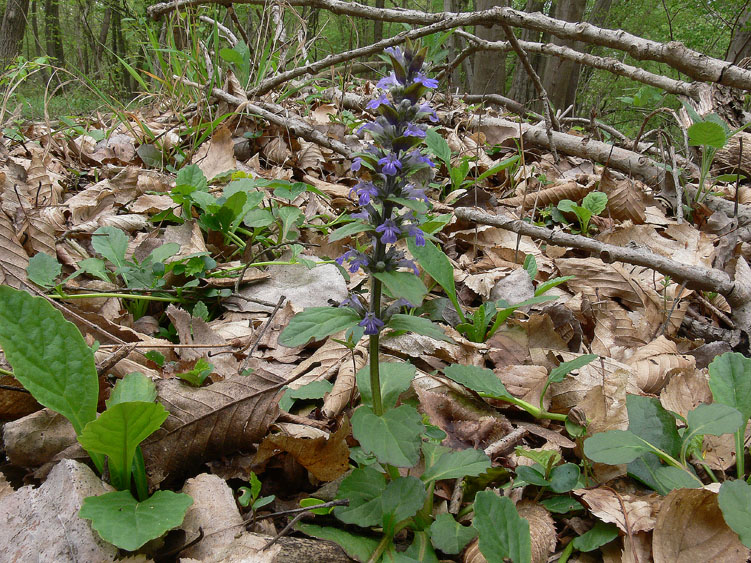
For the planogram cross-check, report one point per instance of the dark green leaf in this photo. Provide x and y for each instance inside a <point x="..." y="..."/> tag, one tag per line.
<point x="193" y="177"/>
<point x="288" y="190"/>
<point x="715" y="419"/>
<point x="49" y="356"/>
<point x="561" y="504"/>
<point x="317" y="323"/>
<point x="614" y="447"/>
<point x="438" y="146"/>
<point x="127" y="523"/>
<point x="358" y="547"/>
<point x="532" y="476"/>
<point x="420" y="550"/>
<point x="401" y="499"/>
<point x="395" y="378"/>
<point x="312" y="390"/>
<point x="564" y="478"/>
<point x="455" y="464"/>
<point x="403" y="284"/>
<point x="730" y="381"/>
<point x="559" y="373"/>
<point x="363" y="487"/>
<point x="348" y="230"/>
<point x="651" y="422"/>
<point x="437" y="265"/>
<point x="449" y="536"/>
<point x="598" y="536"/>
<point x="394" y="437"/>
<point x="735" y="503"/>
<point x="418" y="325"/>
<point x="503" y="533"/>
<point x="43" y="269"/>
<point x="481" y="380"/>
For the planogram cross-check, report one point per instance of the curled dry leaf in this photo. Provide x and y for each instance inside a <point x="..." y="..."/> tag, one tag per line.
<point x="631" y="513"/>
<point x="626" y="200"/>
<point x="217" y="156"/>
<point x="548" y="196"/>
<point x="652" y="363"/>
<point x="209" y="422"/>
<point x="541" y="529"/>
<point x="690" y="527"/>
<point x="325" y="458"/>
<point x="343" y="391"/>
<point x="685" y="391"/>
<point x="637" y="548"/>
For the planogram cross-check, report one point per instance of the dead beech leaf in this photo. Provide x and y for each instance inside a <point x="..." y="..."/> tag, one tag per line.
<point x="277" y="151"/>
<point x="344" y="386"/>
<point x="525" y="382"/>
<point x="548" y="196"/>
<point x="15" y="404"/>
<point x="685" y="391"/>
<point x="652" y="363"/>
<point x="637" y="548"/>
<point x="625" y="198"/>
<point x="218" y="155"/>
<point x="325" y="458"/>
<point x="309" y="156"/>
<point x="13" y="258"/>
<point x="690" y="528"/>
<point x="209" y="422"/>
<point x="630" y="513"/>
<point x="541" y="529"/>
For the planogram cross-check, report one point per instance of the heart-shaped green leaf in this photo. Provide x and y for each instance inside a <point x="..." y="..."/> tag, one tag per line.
<point x="394" y="437"/>
<point x="503" y="533"/>
<point x="317" y="323"/>
<point x="448" y="535"/>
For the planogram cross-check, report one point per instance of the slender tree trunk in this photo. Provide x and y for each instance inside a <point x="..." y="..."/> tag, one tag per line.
<point x="37" y="48"/>
<point x="522" y="89"/>
<point x="12" y="30"/>
<point x="489" y="67"/>
<point x="378" y="24"/>
<point x="560" y="77"/>
<point x="54" y="40"/>
<point x="103" y="32"/>
<point x="740" y="45"/>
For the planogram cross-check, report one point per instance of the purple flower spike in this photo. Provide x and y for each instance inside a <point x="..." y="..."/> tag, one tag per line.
<point x="413" y="130"/>
<point x="390" y="164"/>
<point x="371" y="323"/>
<point x="414" y="231"/>
<point x="379" y="101"/>
<point x="425" y="81"/>
<point x="356" y="164"/>
<point x="389" y="231"/>
<point x="387" y="81"/>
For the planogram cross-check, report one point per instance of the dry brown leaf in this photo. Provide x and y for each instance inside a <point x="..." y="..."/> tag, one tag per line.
<point x="15" y="404"/>
<point x="209" y="422"/>
<point x="218" y="155"/>
<point x="334" y="190"/>
<point x="548" y="196"/>
<point x="525" y="382"/>
<point x="13" y="258"/>
<point x="277" y="151"/>
<point x="625" y="198"/>
<point x="344" y="388"/>
<point x="37" y="438"/>
<point x="309" y="156"/>
<point x="541" y="529"/>
<point x="685" y="391"/>
<point x="651" y="364"/>
<point x="326" y="458"/>
<point x="630" y="513"/>
<point x="690" y="528"/>
<point x="718" y="452"/>
<point x="637" y="548"/>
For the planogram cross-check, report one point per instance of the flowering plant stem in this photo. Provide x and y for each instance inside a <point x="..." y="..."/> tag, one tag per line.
<point x="374" y="343"/>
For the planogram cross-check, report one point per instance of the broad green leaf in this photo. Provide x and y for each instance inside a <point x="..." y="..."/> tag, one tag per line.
<point x="651" y="422"/>
<point x="288" y="216"/>
<point x="561" y="504"/>
<point x="403" y="284"/>
<point x="438" y="146"/>
<point x="349" y="229"/>
<point x="566" y="205"/>
<point x="317" y="323"/>
<point x="289" y="190"/>
<point x="600" y="534"/>
<point x="133" y="387"/>
<point x="95" y="267"/>
<point x="420" y="550"/>
<point x="481" y="380"/>
<point x="258" y="218"/>
<point x="117" y="433"/>
<point x="530" y="265"/>
<point x="395" y="378"/>
<point x="707" y="133"/>
<point x="532" y="476"/>
<point x="503" y="533"/>
<point x="163" y="252"/>
<point x="313" y="390"/>
<point x="715" y="419"/>
<point x="614" y="447"/>
<point x="564" y="477"/>
<point x="43" y="269"/>
<point x="437" y="265"/>
<point x="730" y="381"/>
<point x="401" y="499"/>
<point x="449" y="536"/>
<point x="662" y="478"/>
<point x="559" y="373"/>
<point x="49" y="356"/>
<point x="418" y="325"/>
<point x="546" y="458"/>
<point x="455" y="464"/>
<point x="595" y="202"/>
<point x="357" y="547"/>
<point x="393" y="438"/>
<point x="363" y="488"/>
<point x="123" y="521"/>
<point x="735" y="503"/>
<point x="193" y="177"/>
<point x="551" y="283"/>
<point x="112" y="243"/>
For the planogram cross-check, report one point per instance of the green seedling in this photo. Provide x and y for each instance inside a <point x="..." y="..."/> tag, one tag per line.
<point x="52" y="361"/>
<point x="250" y="496"/>
<point x="593" y="203"/>
<point x="546" y="472"/>
<point x="198" y="374"/>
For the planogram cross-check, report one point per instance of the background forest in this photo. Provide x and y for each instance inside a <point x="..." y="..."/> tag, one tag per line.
<point x="113" y="51"/>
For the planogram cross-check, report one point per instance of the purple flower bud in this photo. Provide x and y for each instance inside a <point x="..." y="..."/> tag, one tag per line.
<point x="408" y="264"/>
<point x="427" y="110"/>
<point x="413" y="130"/>
<point x="371" y="323"/>
<point x="425" y="81"/>
<point x="356" y="164"/>
<point x="389" y="231"/>
<point x="414" y="231"/>
<point x="390" y="164"/>
<point x="387" y="81"/>
<point x="362" y="214"/>
<point x="379" y="101"/>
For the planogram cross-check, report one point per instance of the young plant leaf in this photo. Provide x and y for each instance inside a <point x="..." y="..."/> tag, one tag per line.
<point x="358" y="547"/>
<point x="396" y="377"/>
<point x="561" y="504"/>
<point x="418" y="325"/>
<point x="313" y="390"/>
<point x="735" y="503"/>
<point x="117" y="433"/>
<point x="133" y="387"/>
<point x="730" y="381"/>
<point x="615" y="446"/>
<point x="532" y="476"/>
<point x="559" y="373"/>
<point x="453" y="464"/>
<point x="652" y="423"/>
<point x="289" y="190"/>
<point x="403" y="284"/>
<point x="449" y="536"/>
<point x="595" y="202"/>
<point x="112" y="243"/>
<point x="192" y="176"/>
<point x="600" y="534"/>
<point x="438" y="146"/>
<point x="49" y="356"/>
<point x="43" y="269"/>
<point x="437" y="265"/>
<point x="481" y="380"/>
<point x="401" y="499"/>
<point x="707" y="133"/>
<point x="363" y="487"/>
<point x="715" y="419"/>
<point x="317" y="323"/>
<point x="564" y="478"/>
<point x="419" y="551"/>
<point x="394" y="437"/>
<point x="503" y="533"/>
<point x="123" y="521"/>
<point x="348" y="230"/>
<point x="551" y="283"/>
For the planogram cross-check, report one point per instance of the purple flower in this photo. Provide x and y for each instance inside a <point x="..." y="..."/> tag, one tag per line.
<point x="413" y="130"/>
<point x="390" y="163"/>
<point x="387" y="81"/>
<point x="395" y="52"/>
<point x="426" y="109"/>
<point x="425" y="81"/>
<point x="380" y="100"/>
<point x="373" y="127"/>
<point x="408" y="264"/>
<point x="389" y="231"/>
<point x="356" y="164"/>
<point x="356" y="260"/>
<point x="371" y="323"/>
<point x="364" y="190"/>
<point x="414" y="231"/>
<point x="418" y="157"/>
<point x="413" y="192"/>
<point x="362" y="214"/>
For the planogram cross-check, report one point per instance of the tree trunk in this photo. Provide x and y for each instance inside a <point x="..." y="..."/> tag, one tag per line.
<point x="740" y="44"/>
<point x="560" y="77"/>
<point x="489" y="68"/>
<point x="37" y="47"/>
<point x="378" y="24"/>
<point x="12" y="30"/>
<point x="522" y="89"/>
<point x="54" y="40"/>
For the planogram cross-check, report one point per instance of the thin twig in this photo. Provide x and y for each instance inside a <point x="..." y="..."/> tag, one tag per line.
<point x="261" y="333"/>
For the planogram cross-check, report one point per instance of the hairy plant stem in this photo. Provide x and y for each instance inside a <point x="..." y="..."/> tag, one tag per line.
<point x="374" y="344"/>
